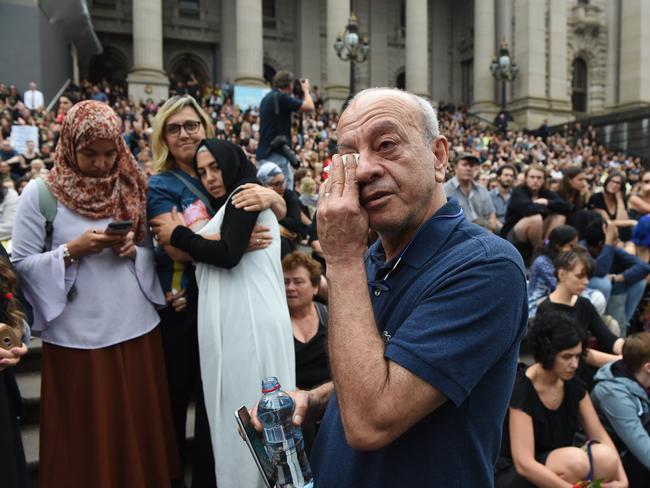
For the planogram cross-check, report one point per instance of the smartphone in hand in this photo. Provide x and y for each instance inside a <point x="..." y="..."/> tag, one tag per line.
<point x="119" y="227"/>
<point x="254" y="443"/>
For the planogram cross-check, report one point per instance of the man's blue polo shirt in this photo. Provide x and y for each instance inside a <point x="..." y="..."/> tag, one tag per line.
<point x="455" y="310"/>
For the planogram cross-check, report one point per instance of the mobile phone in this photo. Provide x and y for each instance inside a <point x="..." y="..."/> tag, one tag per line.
<point x="119" y="227"/>
<point x="8" y="337"/>
<point x="254" y="443"/>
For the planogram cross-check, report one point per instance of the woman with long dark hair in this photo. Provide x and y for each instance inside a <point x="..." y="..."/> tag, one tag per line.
<point x="12" y="457"/>
<point x="611" y="204"/>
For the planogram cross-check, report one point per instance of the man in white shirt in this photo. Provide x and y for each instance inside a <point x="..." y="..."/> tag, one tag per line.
<point x="33" y="98"/>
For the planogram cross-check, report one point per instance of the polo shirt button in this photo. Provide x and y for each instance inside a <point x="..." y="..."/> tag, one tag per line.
<point x="377" y="292"/>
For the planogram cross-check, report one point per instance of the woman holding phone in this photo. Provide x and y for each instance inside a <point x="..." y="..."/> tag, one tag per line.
<point x="94" y="295"/>
<point x="244" y="328"/>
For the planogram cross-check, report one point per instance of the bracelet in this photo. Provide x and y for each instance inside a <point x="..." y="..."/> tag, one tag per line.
<point x="66" y="255"/>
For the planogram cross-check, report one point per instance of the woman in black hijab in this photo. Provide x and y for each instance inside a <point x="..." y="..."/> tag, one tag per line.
<point x="222" y="167"/>
<point x="244" y="327"/>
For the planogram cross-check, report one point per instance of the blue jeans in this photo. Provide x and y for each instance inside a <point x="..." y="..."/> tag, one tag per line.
<point x="622" y="298"/>
<point x="284" y="165"/>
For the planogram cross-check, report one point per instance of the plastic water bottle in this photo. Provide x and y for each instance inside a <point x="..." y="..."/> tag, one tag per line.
<point x="284" y="442"/>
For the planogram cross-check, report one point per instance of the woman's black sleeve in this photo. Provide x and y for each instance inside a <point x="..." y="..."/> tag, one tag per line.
<point x="225" y="253"/>
<point x="598" y="329"/>
<point x="555" y="203"/>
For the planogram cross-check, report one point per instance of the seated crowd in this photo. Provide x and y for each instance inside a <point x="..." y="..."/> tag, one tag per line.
<point x="576" y="211"/>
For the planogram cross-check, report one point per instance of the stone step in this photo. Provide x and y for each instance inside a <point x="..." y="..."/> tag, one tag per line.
<point x="30" y="389"/>
<point x="31" y="444"/>
<point x="32" y="360"/>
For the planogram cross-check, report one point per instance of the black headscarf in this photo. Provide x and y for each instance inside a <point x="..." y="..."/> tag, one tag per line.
<point x="235" y="167"/>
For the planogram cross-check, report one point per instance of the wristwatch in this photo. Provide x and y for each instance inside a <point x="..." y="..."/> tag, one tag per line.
<point x="67" y="256"/>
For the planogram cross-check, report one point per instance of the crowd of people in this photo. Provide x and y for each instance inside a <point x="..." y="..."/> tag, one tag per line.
<point x="223" y="205"/>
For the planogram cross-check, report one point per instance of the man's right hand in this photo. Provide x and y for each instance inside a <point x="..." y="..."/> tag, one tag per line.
<point x="309" y="405"/>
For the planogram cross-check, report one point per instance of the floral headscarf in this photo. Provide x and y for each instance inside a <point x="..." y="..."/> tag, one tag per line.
<point x="122" y="194"/>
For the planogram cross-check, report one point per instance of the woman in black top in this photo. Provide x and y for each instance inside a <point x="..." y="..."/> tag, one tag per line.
<point x="573" y="188"/>
<point x="610" y="203"/>
<point x="573" y="269"/>
<point x="302" y="277"/>
<point x="548" y="406"/>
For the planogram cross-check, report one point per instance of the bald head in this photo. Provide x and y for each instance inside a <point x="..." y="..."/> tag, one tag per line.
<point x="428" y="120"/>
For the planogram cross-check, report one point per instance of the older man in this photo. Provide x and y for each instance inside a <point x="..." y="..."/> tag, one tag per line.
<point x="423" y="347"/>
<point x="474" y="199"/>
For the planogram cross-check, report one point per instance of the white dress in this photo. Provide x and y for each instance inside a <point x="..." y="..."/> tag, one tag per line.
<point x="245" y="335"/>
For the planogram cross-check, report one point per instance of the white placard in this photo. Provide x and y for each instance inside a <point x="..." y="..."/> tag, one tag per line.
<point x="20" y="134"/>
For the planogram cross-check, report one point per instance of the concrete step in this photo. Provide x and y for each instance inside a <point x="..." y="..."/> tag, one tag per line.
<point x="32" y="360"/>
<point x="31" y="442"/>
<point x="30" y="389"/>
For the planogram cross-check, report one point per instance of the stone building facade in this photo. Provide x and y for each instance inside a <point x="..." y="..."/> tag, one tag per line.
<point x="575" y="57"/>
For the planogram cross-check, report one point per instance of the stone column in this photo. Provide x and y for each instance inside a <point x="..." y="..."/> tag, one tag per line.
<point x="227" y="43"/>
<point x="503" y="23"/>
<point x="559" y="84"/>
<point x="337" y="85"/>
<point x="147" y="79"/>
<point x="635" y="54"/>
<point x="530" y="106"/>
<point x="441" y="63"/>
<point x="249" y="35"/>
<point x="417" y="47"/>
<point x="484" y="40"/>
<point x="378" y="57"/>
<point x="308" y="45"/>
<point x="613" y="17"/>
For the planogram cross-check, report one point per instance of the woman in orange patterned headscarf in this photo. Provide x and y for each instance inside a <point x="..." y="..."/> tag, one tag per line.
<point x="119" y="190"/>
<point x="104" y="399"/>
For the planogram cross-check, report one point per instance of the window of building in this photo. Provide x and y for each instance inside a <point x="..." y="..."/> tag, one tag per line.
<point x="467" y="82"/>
<point x="579" y="86"/>
<point x="402" y="17"/>
<point x="188" y="9"/>
<point x="108" y="4"/>
<point x="268" y="14"/>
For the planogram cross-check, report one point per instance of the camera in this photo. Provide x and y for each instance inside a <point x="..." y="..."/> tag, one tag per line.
<point x="297" y="89"/>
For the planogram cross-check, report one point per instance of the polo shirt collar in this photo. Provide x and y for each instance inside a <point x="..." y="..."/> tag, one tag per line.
<point x="427" y="241"/>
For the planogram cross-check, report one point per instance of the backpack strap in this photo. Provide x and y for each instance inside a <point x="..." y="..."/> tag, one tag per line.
<point x="47" y="206"/>
<point x="192" y="187"/>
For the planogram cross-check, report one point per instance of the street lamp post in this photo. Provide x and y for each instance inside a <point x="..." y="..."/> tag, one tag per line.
<point x="350" y="46"/>
<point x="504" y="69"/>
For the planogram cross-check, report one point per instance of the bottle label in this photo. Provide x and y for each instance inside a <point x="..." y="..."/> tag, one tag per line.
<point x="274" y="434"/>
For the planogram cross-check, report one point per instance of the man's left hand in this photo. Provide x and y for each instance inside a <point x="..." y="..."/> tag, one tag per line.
<point x="342" y="222"/>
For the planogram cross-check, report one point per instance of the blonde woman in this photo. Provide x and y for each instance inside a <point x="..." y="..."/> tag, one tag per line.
<point x="178" y="128"/>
